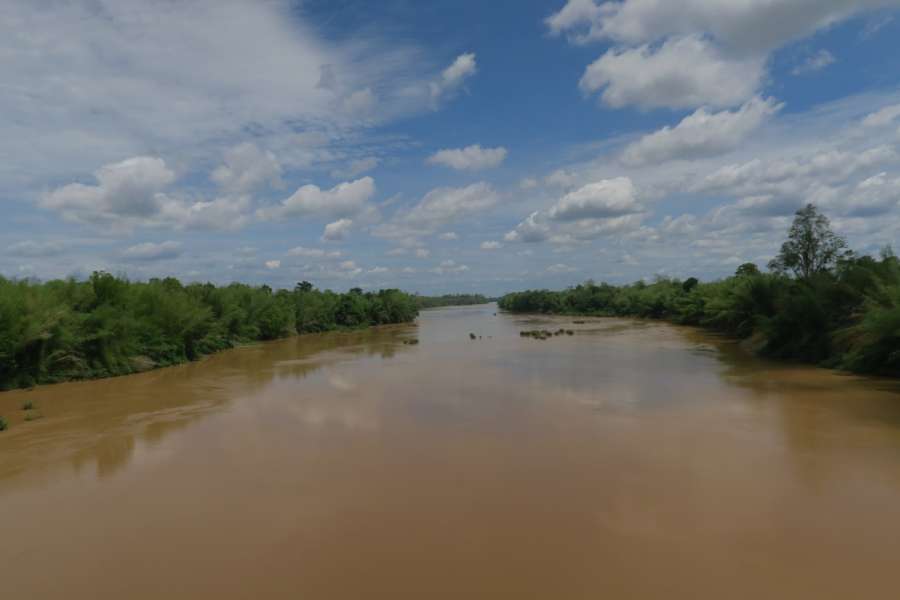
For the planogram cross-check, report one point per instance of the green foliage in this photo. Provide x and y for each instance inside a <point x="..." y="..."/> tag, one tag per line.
<point x="107" y="325"/>
<point x="840" y="310"/>
<point x="811" y="246"/>
<point x="451" y="300"/>
<point x="3" y="424"/>
<point x="27" y="405"/>
<point x="847" y="317"/>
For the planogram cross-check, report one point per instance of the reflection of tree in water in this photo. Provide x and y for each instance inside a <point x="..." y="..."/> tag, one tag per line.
<point x="818" y="411"/>
<point x="119" y="413"/>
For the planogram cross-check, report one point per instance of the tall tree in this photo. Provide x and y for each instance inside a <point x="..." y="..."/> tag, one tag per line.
<point x="812" y="247"/>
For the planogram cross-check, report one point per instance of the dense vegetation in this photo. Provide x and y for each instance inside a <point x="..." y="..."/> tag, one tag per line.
<point x="107" y="325"/>
<point x="451" y="300"/>
<point x="818" y="303"/>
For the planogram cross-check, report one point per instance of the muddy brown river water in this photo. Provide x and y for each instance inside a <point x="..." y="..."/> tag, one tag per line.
<point x="630" y="460"/>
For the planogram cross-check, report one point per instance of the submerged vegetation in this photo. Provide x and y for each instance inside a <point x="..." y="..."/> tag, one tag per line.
<point x="107" y="325"/>
<point x="451" y="300"/>
<point x="818" y="303"/>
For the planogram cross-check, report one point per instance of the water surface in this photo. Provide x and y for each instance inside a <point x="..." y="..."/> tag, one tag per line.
<point x="630" y="460"/>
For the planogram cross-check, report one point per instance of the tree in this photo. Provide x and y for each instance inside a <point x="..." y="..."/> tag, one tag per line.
<point x="811" y="246"/>
<point x="689" y="284"/>
<point x="747" y="270"/>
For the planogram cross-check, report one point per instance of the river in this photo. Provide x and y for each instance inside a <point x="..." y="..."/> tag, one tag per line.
<point x="629" y="460"/>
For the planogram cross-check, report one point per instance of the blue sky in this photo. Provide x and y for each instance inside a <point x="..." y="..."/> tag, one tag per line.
<point x="440" y="146"/>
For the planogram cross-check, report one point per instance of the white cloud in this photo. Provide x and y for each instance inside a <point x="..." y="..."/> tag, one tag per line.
<point x="337" y="231"/>
<point x="273" y="264"/>
<point x="32" y="249"/>
<point x="453" y="77"/>
<point x="748" y="26"/>
<point x="882" y="117"/>
<point x="437" y="209"/>
<point x="532" y="230"/>
<point x="528" y="183"/>
<point x="378" y="270"/>
<point x="599" y="200"/>
<point x="470" y="158"/>
<point x="575" y="15"/>
<point x="129" y="190"/>
<point x="356" y="167"/>
<point x="658" y="77"/>
<point x="360" y="103"/>
<point x="815" y="62"/>
<point x="700" y="134"/>
<point x="449" y="236"/>
<point x="491" y="245"/>
<point x="313" y="252"/>
<point x="874" y="196"/>
<point x="562" y="178"/>
<point x="397" y="251"/>
<point x="449" y="267"/>
<point x="150" y="251"/>
<point x="188" y="78"/>
<point x="246" y="168"/>
<point x="422" y="253"/>
<point x="795" y="177"/>
<point x="343" y="200"/>
<point x="561" y="268"/>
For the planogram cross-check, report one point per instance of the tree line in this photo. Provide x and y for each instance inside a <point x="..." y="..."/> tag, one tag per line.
<point x="819" y="302"/>
<point x="107" y="325"/>
<point x="451" y="300"/>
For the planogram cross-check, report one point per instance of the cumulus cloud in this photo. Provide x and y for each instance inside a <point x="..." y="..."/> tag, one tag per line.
<point x="449" y="236"/>
<point x="343" y="200"/>
<point x="532" y="230"/>
<point x="439" y="208"/>
<point x="797" y="176"/>
<point x="700" y="134"/>
<point x="127" y="190"/>
<point x="449" y="267"/>
<point x="273" y="264"/>
<point x="150" y="251"/>
<point x="337" y="231"/>
<point x="651" y="77"/>
<point x="247" y="168"/>
<point x="132" y="193"/>
<point x="694" y="53"/>
<point x="599" y="200"/>
<point x="470" y="158"/>
<point x="453" y="77"/>
<point x="749" y="26"/>
<point x="491" y="245"/>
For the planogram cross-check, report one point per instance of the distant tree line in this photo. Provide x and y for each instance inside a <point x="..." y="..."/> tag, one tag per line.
<point x="451" y="300"/>
<point x="818" y="303"/>
<point x="108" y="325"/>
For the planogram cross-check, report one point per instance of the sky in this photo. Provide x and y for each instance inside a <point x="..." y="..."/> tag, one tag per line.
<point x="440" y="146"/>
